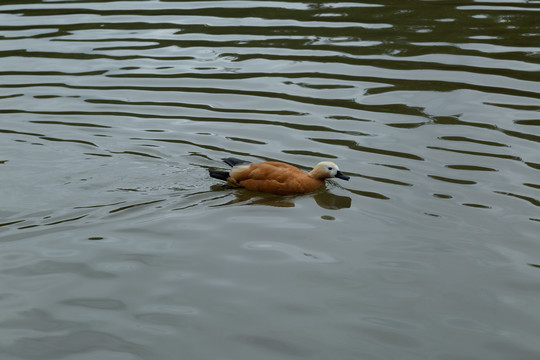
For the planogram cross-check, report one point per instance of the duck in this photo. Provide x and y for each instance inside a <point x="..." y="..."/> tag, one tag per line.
<point x="277" y="177"/>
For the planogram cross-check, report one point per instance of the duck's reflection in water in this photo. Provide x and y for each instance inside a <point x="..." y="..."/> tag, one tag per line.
<point x="330" y="201"/>
<point x="323" y="198"/>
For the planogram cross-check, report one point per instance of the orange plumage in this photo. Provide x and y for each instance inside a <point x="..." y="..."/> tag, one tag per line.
<point x="277" y="177"/>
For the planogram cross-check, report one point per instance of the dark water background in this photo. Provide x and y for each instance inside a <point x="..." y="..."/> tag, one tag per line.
<point x="115" y="244"/>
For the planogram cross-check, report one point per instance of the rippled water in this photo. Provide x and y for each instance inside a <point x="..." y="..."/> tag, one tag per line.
<point x="115" y="243"/>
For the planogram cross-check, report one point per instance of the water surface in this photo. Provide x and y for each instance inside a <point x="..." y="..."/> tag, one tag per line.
<point x="117" y="245"/>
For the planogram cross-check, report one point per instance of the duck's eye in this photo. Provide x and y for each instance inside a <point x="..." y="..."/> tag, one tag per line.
<point x="330" y="168"/>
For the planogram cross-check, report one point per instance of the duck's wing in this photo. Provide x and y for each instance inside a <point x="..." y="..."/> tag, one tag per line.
<point x="269" y="170"/>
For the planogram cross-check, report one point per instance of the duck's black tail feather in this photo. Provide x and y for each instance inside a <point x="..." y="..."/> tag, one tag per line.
<point x="221" y="175"/>
<point x="234" y="161"/>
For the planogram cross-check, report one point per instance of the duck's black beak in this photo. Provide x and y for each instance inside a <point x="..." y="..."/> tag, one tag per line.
<point x="341" y="175"/>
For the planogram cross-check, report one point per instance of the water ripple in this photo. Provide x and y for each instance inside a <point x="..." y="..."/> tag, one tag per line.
<point x="112" y="112"/>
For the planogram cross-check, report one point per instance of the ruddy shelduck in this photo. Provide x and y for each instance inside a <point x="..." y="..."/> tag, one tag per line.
<point x="277" y="177"/>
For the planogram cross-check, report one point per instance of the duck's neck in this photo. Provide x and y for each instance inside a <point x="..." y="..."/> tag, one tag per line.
<point x="317" y="174"/>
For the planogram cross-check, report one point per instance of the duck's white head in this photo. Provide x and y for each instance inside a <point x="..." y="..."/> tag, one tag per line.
<point x="327" y="169"/>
